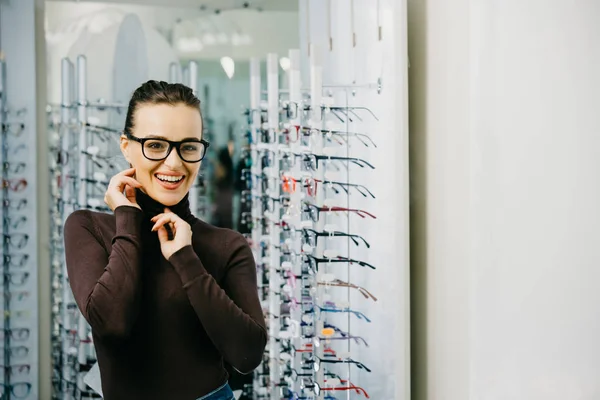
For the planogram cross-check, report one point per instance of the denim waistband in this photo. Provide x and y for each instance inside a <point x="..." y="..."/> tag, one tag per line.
<point x="223" y="392"/>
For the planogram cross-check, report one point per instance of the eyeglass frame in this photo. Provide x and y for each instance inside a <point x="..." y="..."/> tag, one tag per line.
<point x="172" y="144"/>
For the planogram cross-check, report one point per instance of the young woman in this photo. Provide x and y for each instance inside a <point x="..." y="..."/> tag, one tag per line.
<point x="169" y="298"/>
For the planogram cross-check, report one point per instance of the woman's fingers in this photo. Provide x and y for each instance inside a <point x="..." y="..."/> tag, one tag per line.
<point x="128" y="172"/>
<point x="130" y="193"/>
<point x="119" y="183"/>
<point x="163" y="235"/>
<point x="160" y="222"/>
<point x="162" y="219"/>
<point x="125" y="180"/>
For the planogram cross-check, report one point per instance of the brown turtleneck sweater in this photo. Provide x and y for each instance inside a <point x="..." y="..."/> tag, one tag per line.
<point x="162" y="328"/>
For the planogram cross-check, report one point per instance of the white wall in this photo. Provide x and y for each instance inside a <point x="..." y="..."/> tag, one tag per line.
<point x="536" y="319"/>
<point x="504" y="121"/>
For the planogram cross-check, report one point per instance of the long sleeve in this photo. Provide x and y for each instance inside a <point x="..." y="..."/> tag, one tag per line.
<point x="106" y="286"/>
<point x="232" y="315"/>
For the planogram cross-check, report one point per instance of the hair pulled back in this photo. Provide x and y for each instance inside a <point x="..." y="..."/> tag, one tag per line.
<point x="160" y="92"/>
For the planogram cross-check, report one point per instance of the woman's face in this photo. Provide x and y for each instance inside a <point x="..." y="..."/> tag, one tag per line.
<point x="166" y="181"/>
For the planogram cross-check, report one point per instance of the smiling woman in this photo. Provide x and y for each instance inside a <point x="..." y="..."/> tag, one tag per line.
<point x="170" y="298"/>
<point x="161" y="117"/>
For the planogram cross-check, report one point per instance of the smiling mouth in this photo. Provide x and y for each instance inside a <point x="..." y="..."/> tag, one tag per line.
<point x="169" y="178"/>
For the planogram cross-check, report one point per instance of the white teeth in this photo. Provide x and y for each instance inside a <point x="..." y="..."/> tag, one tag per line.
<point x="169" y="178"/>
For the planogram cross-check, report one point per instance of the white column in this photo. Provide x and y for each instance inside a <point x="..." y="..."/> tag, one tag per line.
<point x="505" y="194"/>
<point x="439" y="163"/>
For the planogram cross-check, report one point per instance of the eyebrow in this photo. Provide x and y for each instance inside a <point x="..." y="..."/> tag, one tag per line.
<point x="164" y="138"/>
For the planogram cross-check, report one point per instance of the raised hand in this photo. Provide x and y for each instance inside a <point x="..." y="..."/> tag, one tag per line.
<point x="182" y="232"/>
<point x="121" y="190"/>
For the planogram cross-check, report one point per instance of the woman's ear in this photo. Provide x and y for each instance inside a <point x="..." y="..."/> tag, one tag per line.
<point x="124" y="145"/>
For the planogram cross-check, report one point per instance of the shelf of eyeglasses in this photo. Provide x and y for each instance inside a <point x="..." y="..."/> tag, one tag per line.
<point x="310" y="264"/>
<point x="293" y="227"/>
<point x="61" y="158"/>
<point x="67" y="389"/>
<point x="302" y="137"/>
<point x="328" y="334"/>
<point x="308" y="299"/>
<point x="306" y="184"/>
<point x="78" y="357"/>
<point x="273" y="163"/>
<point x="98" y="105"/>
<point x="262" y="191"/>
<point x="306" y="387"/>
<point x="306" y="111"/>
<point x="305" y="235"/>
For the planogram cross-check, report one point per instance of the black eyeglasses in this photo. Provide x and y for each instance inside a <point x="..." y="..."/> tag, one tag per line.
<point x="15" y="205"/>
<point x="18" y="390"/>
<point x="316" y="362"/>
<point x="155" y="149"/>
<point x="17" y="240"/>
<point x="311" y="236"/>
<point x="16" y="260"/>
<point x="17" y="369"/>
<point x="17" y="334"/>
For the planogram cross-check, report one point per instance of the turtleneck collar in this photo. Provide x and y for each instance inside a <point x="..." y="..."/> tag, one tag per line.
<point x="151" y="207"/>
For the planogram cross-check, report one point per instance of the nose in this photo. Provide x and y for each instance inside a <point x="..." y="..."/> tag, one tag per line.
<point x="173" y="161"/>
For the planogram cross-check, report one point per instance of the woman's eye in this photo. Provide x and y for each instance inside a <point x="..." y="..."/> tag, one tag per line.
<point x="189" y="147"/>
<point x="155" y="145"/>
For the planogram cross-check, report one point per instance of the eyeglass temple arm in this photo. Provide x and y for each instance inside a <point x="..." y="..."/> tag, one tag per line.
<point x="363" y="212"/>
<point x="351" y="260"/>
<point x="362" y="135"/>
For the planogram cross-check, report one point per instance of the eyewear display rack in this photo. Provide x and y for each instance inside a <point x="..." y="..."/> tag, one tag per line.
<point x="83" y="149"/>
<point x="299" y="186"/>
<point x="19" y="289"/>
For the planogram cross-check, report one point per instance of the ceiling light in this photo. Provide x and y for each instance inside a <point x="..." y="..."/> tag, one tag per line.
<point x="285" y="63"/>
<point x="209" y="39"/>
<point x="236" y="39"/>
<point x="189" y="45"/>
<point x="228" y="66"/>
<point x="246" y="39"/>
<point x="222" y="38"/>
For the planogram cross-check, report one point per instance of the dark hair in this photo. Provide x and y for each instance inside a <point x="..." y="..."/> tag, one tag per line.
<point x="155" y="92"/>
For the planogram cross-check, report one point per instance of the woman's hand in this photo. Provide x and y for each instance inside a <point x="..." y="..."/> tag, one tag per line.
<point x="121" y="190"/>
<point x="182" y="232"/>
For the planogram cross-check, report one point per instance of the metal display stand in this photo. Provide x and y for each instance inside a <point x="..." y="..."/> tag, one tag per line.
<point x="299" y="185"/>
<point x="81" y="163"/>
<point x="20" y="329"/>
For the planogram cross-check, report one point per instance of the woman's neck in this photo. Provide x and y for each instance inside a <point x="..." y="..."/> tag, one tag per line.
<point x="152" y="207"/>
